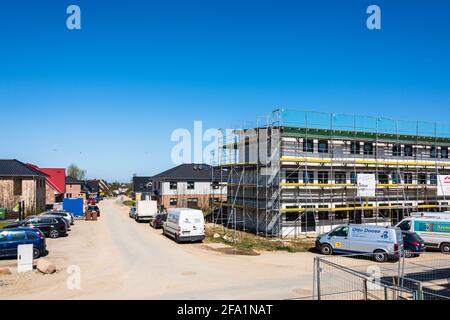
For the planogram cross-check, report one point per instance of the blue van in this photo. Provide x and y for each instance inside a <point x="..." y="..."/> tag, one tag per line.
<point x="10" y="239"/>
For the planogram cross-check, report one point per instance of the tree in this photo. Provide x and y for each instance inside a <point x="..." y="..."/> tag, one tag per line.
<point x="75" y="172"/>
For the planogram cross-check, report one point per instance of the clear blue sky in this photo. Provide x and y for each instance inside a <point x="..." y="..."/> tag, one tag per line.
<point x="108" y="97"/>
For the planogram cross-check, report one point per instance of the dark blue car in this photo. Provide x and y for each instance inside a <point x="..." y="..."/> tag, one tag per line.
<point x="412" y="244"/>
<point x="10" y="239"/>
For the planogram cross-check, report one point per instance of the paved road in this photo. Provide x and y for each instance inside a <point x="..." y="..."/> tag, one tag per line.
<point x="121" y="259"/>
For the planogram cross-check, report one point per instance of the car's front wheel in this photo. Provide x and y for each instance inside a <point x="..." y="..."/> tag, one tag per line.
<point x="54" y="234"/>
<point x="36" y="253"/>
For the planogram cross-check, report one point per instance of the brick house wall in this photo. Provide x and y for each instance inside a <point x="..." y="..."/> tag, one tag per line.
<point x="32" y="191"/>
<point x="74" y="191"/>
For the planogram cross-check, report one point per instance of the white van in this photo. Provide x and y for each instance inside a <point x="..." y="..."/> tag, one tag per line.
<point x="184" y="224"/>
<point x="435" y="232"/>
<point x="145" y="210"/>
<point x="383" y="242"/>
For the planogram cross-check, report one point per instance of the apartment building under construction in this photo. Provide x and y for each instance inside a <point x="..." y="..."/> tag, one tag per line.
<point x="299" y="172"/>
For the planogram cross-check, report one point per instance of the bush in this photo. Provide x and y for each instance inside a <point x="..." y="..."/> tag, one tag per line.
<point x="129" y="203"/>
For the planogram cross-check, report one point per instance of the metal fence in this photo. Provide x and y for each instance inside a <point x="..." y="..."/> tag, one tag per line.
<point x="359" y="277"/>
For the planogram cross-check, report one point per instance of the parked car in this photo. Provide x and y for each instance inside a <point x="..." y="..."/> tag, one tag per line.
<point x="62" y="219"/>
<point x="93" y="208"/>
<point x="132" y="212"/>
<point x="413" y="244"/>
<point x="434" y="231"/>
<point x="63" y="214"/>
<point x="52" y="227"/>
<point x="184" y="224"/>
<point x="158" y="221"/>
<point x="10" y="239"/>
<point x="91" y="201"/>
<point x="384" y="242"/>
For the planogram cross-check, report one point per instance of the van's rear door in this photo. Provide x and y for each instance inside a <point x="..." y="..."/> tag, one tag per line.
<point x="191" y="225"/>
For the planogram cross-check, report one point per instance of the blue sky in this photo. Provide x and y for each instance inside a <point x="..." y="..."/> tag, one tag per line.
<point x="108" y="97"/>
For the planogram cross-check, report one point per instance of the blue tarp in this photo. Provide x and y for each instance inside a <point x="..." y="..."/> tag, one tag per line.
<point x="74" y="205"/>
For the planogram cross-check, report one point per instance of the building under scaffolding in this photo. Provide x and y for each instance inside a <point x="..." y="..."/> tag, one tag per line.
<point x="300" y="172"/>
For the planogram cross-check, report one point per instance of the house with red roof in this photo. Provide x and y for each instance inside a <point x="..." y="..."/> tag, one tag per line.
<point x="55" y="184"/>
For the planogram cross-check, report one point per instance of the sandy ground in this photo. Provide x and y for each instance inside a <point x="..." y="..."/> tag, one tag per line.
<point x="121" y="259"/>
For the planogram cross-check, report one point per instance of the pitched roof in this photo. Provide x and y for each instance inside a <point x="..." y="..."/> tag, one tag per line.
<point x="141" y="184"/>
<point x="185" y="172"/>
<point x="71" y="180"/>
<point x="15" y="168"/>
<point x="94" y="185"/>
<point x="56" y="177"/>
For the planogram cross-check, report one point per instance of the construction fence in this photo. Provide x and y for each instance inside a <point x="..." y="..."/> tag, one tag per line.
<point x="359" y="277"/>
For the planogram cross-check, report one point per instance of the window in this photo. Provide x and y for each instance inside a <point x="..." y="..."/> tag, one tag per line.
<point x="395" y="178"/>
<point x="408" y="150"/>
<point x="341" y="215"/>
<point x="291" y="176"/>
<point x="433" y="178"/>
<point x="340" y="232"/>
<point x="405" y="225"/>
<point x="396" y="150"/>
<point x="308" y="177"/>
<point x="308" y="145"/>
<point x="368" y="148"/>
<point x="17" y="236"/>
<point x="215" y="185"/>
<point x="17" y="187"/>
<point x="247" y="150"/>
<point x="383" y="178"/>
<point x="408" y="178"/>
<point x="190" y="185"/>
<point x="3" y="236"/>
<point x="292" y="215"/>
<point x="173" y="185"/>
<point x="323" y="177"/>
<point x="31" y="235"/>
<point x="422" y="178"/>
<point x="173" y="201"/>
<point x="433" y="152"/>
<point x="353" y="178"/>
<point x="444" y="152"/>
<point x="323" y="146"/>
<point x="355" y="147"/>
<point x="192" y="203"/>
<point x="340" y="178"/>
<point x="323" y="215"/>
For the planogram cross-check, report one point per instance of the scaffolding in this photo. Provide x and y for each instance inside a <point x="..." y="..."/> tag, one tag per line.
<point x="292" y="173"/>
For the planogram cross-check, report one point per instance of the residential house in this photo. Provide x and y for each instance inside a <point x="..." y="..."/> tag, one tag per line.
<point x="77" y="189"/>
<point x="55" y="184"/>
<point x="98" y="187"/>
<point x="142" y="188"/>
<point x="22" y="185"/>
<point x="187" y="185"/>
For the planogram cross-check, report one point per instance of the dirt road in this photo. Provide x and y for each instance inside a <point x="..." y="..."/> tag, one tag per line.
<point x="121" y="259"/>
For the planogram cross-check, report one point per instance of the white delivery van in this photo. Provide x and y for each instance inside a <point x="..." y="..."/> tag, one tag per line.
<point x="184" y="224"/>
<point x="145" y="210"/>
<point x="435" y="232"/>
<point x="383" y="242"/>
